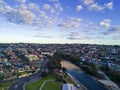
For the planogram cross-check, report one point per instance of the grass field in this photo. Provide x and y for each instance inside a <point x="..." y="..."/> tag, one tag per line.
<point x="4" y="86"/>
<point x="50" y="85"/>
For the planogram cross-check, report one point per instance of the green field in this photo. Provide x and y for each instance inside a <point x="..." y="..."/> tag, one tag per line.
<point x="4" y="86"/>
<point x="52" y="85"/>
<point x="49" y="85"/>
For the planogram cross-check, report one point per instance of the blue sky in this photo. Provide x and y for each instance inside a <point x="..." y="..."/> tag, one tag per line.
<point x="60" y="21"/>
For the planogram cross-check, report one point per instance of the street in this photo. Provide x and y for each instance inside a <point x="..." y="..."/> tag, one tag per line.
<point x="22" y="81"/>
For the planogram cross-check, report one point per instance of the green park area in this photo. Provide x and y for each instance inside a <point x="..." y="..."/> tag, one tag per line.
<point x="50" y="84"/>
<point x="5" y="85"/>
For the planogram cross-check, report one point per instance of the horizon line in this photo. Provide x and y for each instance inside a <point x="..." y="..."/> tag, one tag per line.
<point x="57" y="43"/>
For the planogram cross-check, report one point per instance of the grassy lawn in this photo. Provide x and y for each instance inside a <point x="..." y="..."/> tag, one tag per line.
<point x="36" y="85"/>
<point x="52" y="85"/>
<point x="4" y="86"/>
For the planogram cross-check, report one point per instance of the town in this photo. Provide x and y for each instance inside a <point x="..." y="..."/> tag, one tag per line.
<point x="23" y="59"/>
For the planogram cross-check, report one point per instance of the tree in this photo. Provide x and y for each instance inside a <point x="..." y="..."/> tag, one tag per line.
<point x="43" y="74"/>
<point x="54" y="63"/>
<point x="1" y="76"/>
<point x="64" y="69"/>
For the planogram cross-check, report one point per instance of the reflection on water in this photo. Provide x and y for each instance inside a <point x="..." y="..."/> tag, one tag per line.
<point x="86" y="80"/>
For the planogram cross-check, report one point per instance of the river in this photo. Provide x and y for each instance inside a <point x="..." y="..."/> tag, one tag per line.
<point x="86" y="80"/>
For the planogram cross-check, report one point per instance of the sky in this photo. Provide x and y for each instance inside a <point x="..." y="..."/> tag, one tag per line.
<point x="60" y="21"/>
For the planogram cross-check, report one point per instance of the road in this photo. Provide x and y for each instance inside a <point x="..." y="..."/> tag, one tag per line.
<point x="22" y="81"/>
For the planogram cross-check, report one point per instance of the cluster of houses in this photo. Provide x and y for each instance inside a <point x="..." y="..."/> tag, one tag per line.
<point x="11" y="57"/>
<point x="98" y="54"/>
<point x="13" y="60"/>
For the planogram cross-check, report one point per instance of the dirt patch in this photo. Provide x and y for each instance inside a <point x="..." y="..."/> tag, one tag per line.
<point x="68" y="65"/>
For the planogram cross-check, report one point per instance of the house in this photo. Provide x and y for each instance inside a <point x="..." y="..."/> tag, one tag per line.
<point x="20" y="68"/>
<point x="1" y="65"/>
<point x="8" y="64"/>
<point x="4" y="59"/>
<point x="68" y="87"/>
<point x="32" y="57"/>
<point x="47" y="53"/>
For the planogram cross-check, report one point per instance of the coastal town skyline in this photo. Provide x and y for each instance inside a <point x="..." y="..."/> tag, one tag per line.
<point x="60" y="21"/>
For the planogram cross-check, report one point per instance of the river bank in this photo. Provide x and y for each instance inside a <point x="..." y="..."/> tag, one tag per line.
<point x="69" y="66"/>
<point x="86" y="80"/>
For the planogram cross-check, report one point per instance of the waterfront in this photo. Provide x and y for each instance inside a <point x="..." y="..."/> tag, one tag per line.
<point x="86" y="80"/>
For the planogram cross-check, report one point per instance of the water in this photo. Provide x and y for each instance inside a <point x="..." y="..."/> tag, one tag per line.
<point x="86" y="80"/>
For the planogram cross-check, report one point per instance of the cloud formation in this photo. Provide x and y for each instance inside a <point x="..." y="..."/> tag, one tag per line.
<point x="93" y="5"/>
<point x="79" y="8"/>
<point x="112" y="30"/>
<point x="88" y="2"/>
<point x="22" y="1"/>
<point x="31" y="13"/>
<point x="105" y="23"/>
<point x="73" y="36"/>
<point x="46" y="6"/>
<point x="70" y="23"/>
<point x="109" y="5"/>
<point x="96" y="7"/>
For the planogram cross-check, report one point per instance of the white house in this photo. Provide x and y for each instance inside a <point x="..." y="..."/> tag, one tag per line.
<point x="68" y="87"/>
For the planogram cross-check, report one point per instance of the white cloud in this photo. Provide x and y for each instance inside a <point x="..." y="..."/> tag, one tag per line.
<point x="90" y="26"/>
<point x="49" y="22"/>
<point x="23" y="6"/>
<point x="112" y="30"/>
<point x="33" y="6"/>
<point x="64" y="24"/>
<point x="73" y="19"/>
<point x="43" y="14"/>
<point x="4" y="7"/>
<point x="88" y="2"/>
<point x="58" y="7"/>
<point x="46" y="6"/>
<point x="92" y="5"/>
<point x="115" y="29"/>
<point x="75" y="22"/>
<point x="95" y="6"/>
<point x="22" y="1"/>
<point x="27" y="16"/>
<point x="43" y="20"/>
<point x="20" y="16"/>
<point x="31" y="13"/>
<point x="52" y="10"/>
<point x="79" y="7"/>
<point x="71" y="23"/>
<point x="109" y="5"/>
<point x="8" y="8"/>
<point x="105" y="23"/>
